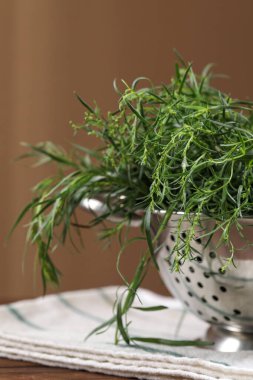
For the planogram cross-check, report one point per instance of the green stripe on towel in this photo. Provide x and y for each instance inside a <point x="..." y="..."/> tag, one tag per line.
<point x="17" y="314"/>
<point x="110" y="301"/>
<point x="78" y="311"/>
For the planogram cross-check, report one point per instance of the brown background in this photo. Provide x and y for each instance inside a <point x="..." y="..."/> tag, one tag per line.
<point x="50" y="48"/>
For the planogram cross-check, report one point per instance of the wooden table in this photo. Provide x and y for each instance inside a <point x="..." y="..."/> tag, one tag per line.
<point x="17" y="370"/>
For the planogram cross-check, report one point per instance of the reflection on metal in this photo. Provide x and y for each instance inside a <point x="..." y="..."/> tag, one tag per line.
<point x="229" y="341"/>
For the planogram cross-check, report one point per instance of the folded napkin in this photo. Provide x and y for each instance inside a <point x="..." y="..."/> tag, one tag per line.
<point x="50" y="330"/>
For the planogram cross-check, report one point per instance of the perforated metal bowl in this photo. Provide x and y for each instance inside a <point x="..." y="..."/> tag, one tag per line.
<point x="223" y="299"/>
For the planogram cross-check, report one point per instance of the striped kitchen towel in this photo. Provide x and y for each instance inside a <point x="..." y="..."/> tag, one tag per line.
<point x="51" y="330"/>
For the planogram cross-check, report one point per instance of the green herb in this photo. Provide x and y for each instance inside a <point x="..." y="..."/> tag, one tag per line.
<point x="178" y="147"/>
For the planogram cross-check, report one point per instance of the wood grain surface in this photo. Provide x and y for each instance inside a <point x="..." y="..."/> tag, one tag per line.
<point x="17" y="370"/>
<point x="20" y="370"/>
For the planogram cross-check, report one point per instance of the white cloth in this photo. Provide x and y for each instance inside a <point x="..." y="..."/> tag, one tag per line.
<point x="51" y="330"/>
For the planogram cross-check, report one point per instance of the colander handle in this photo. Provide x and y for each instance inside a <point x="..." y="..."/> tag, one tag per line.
<point x="98" y="207"/>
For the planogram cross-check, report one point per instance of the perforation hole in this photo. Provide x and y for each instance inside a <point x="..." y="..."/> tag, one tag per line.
<point x="227" y="318"/>
<point x="215" y="298"/>
<point x="190" y="294"/>
<point x="199" y="259"/>
<point x="200" y="285"/>
<point x="206" y="275"/>
<point x="212" y="255"/>
<point x="167" y="248"/>
<point x="188" y="279"/>
<point x="183" y="235"/>
<point x="198" y="240"/>
<point x="237" y="312"/>
<point x="214" y="319"/>
<point x="223" y="289"/>
<point x="172" y="237"/>
<point x="191" y="269"/>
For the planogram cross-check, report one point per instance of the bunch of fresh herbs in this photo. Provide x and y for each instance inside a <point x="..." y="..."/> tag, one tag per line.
<point x="183" y="146"/>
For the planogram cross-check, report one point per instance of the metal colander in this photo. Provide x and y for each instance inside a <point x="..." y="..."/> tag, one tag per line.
<point x="223" y="299"/>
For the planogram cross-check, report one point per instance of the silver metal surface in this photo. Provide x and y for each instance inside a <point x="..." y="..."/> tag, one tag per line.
<point x="222" y="299"/>
<point x="98" y="207"/>
<point x="229" y="341"/>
